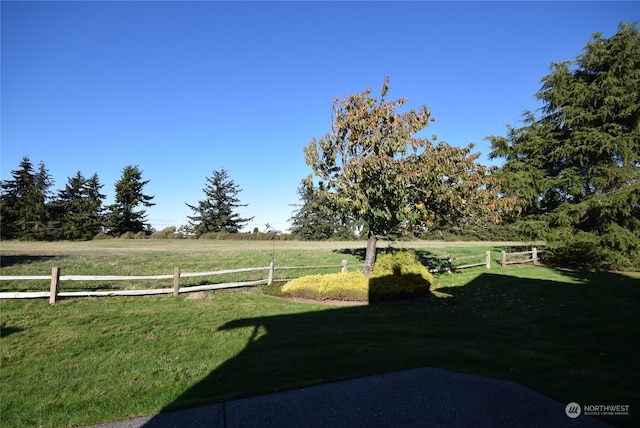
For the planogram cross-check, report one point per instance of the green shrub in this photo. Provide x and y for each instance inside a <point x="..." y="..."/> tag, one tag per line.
<point x="618" y="250"/>
<point x="395" y="275"/>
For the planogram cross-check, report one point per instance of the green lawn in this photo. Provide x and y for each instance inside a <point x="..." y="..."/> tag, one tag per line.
<point x="572" y="335"/>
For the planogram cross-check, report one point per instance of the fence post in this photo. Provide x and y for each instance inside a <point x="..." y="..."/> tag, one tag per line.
<point x="55" y="284"/>
<point x="449" y="260"/>
<point x="270" y="278"/>
<point x="534" y="255"/>
<point x="344" y="267"/>
<point x="504" y="259"/>
<point x="488" y="259"/>
<point x="176" y="281"/>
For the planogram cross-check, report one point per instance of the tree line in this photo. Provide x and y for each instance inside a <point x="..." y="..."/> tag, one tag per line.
<point x="571" y="175"/>
<point x="29" y="210"/>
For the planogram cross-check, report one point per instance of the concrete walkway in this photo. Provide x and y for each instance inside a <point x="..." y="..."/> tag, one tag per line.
<point x="424" y="397"/>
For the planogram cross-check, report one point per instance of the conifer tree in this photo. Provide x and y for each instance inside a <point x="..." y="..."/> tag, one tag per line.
<point x="24" y="210"/>
<point x="315" y="219"/>
<point x="216" y="213"/>
<point x="122" y="216"/>
<point x="78" y="208"/>
<point x="576" y="165"/>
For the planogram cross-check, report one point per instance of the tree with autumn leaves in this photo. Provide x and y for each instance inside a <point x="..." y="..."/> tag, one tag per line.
<point x="372" y="166"/>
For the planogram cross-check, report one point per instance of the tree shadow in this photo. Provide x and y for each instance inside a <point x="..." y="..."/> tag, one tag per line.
<point x="6" y="331"/>
<point x="360" y="253"/>
<point x="570" y="341"/>
<point x="6" y="261"/>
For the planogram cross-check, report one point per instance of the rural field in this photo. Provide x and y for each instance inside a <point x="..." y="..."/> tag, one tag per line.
<point x="571" y="335"/>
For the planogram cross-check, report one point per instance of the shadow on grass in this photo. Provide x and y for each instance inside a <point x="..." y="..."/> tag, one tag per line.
<point x="569" y="341"/>
<point x="360" y="253"/>
<point x="6" y="261"/>
<point x="6" y="331"/>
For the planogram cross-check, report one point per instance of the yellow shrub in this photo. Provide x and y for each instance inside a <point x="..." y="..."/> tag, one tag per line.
<point x="395" y="275"/>
<point x="335" y="286"/>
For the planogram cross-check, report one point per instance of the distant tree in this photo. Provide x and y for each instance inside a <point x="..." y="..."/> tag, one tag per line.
<point x="121" y="216"/>
<point x="316" y="219"/>
<point x="376" y="170"/>
<point x="78" y="210"/>
<point x="577" y="164"/>
<point x="216" y="213"/>
<point x="170" y="230"/>
<point x="24" y="210"/>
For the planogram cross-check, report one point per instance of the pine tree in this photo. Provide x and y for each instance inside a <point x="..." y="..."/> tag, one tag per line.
<point x="576" y="166"/>
<point x="216" y="213"/>
<point x="121" y="216"/>
<point x="78" y="208"/>
<point x="24" y="210"/>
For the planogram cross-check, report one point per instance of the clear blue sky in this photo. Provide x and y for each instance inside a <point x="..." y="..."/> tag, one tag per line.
<point x="185" y="88"/>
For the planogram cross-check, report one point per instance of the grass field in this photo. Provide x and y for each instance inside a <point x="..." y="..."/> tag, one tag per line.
<point x="159" y="257"/>
<point x="571" y="335"/>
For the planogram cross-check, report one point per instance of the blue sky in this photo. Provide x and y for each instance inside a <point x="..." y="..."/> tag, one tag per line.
<point x="184" y="88"/>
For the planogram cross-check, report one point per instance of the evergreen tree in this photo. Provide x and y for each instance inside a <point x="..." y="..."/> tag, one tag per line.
<point x="121" y="216"/>
<point x="78" y="208"/>
<point x="315" y="219"/>
<point x="216" y="212"/>
<point x="577" y="164"/>
<point x="24" y="210"/>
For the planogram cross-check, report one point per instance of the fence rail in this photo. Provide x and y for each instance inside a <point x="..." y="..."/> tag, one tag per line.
<point x="451" y="267"/>
<point x="55" y="278"/>
<point x="504" y="261"/>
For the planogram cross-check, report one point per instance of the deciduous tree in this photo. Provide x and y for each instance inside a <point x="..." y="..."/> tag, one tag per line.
<point x="374" y="167"/>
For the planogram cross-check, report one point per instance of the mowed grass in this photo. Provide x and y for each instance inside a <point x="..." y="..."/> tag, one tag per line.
<point x="571" y="335"/>
<point x="159" y="257"/>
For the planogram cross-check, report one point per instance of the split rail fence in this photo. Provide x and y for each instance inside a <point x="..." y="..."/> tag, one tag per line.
<point x="519" y="257"/>
<point x="445" y="264"/>
<point x="55" y="278"/>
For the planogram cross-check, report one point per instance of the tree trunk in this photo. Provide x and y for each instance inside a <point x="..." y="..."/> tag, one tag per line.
<point x="370" y="255"/>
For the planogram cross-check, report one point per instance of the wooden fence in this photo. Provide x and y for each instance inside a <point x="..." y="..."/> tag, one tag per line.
<point x="450" y="266"/>
<point x="519" y="257"/>
<point x="55" y="279"/>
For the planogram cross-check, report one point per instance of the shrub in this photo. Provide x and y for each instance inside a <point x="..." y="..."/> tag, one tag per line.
<point x="395" y="275"/>
<point x="398" y="275"/>
<point x="335" y="286"/>
<point x="102" y="235"/>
